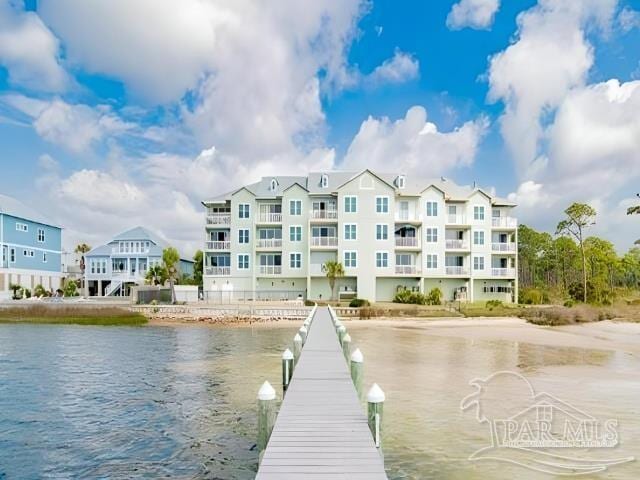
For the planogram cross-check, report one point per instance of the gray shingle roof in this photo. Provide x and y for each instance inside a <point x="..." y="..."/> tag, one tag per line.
<point x="15" y="208"/>
<point x="413" y="186"/>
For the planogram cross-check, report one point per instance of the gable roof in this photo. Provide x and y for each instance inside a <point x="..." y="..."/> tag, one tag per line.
<point x="15" y="208"/>
<point x="366" y="170"/>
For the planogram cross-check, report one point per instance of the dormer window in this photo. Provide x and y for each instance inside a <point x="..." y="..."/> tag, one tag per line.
<point x="324" y="180"/>
<point x="400" y="181"/>
<point x="274" y="184"/>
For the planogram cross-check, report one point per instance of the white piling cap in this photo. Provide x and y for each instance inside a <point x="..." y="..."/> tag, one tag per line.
<point x="303" y="329"/>
<point x="266" y="392"/>
<point x="297" y="338"/>
<point x="287" y="355"/>
<point x="346" y="338"/>
<point x="357" y="356"/>
<point x="342" y="328"/>
<point x="375" y="395"/>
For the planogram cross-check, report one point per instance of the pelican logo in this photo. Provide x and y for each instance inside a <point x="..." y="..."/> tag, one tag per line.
<point x="537" y="430"/>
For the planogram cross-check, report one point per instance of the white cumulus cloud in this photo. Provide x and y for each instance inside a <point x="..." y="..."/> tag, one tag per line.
<point x="29" y="51"/>
<point x="478" y="14"/>
<point x="400" y="68"/>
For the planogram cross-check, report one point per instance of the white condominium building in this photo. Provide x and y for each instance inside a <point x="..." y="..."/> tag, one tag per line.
<point x="390" y="232"/>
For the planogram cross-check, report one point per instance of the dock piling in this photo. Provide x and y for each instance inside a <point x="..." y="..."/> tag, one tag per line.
<point x="303" y="334"/>
<point x="375" y="403"/>
<point x="297" y="348"/>
<point x="346" y="346"/>
<point x="287" y="368"/>
<point x="342" y="331"/>
<point x="266" y="416"/>
<point x="357" y="371"/>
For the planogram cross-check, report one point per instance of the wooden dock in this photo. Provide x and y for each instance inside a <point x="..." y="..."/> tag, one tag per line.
<point x="321" y="431"/>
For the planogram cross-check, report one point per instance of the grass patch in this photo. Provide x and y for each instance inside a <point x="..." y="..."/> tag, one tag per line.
<point x="71" y="315"/>
<point x="489" y="309"/>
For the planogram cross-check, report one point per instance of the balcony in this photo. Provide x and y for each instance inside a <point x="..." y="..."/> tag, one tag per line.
<point x="323" y="214"/>
<point x="217" y="271"/>
<point x="503" y="272"/>
<point x="504" y="222"/>
<point x="407" y="242"/>
<point x="456" y="219"/>
<point x="269" y="243"/>
<point x="270" y="269"/>
<point x="407" y="270"/>
<point x="456" y="271"/>
<point x="324" y="241"/>
<point x="218" y="245"/>
<point x="408" y="217"/>
<point x="269" y="217"/>
<point x="506" y="247"/>
<point x="454" y="244"/>
<point x="219" y="219"/>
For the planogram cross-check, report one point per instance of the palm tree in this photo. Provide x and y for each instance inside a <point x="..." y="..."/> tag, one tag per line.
<point x="333" y="270"/>
<point x="635" y="209"/>
<point x="83" y="248"/>
<point x="156" y="275"/>
<point x="170" y="258"/>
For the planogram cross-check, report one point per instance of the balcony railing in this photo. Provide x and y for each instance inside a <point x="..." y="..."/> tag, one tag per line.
<point x="270" y="217"/>
<point x="270" y="243"/>
<point x="453" y="244"/>
<point x="270" y="269"/>
<point x="456" y="271"/>
<point x="407" y="217"/>
<point x="219" y="271"/>
<point x="406" y="241"/>
<point x="219" y="219"/>
<point x="324" y="214"/>
<point x="324" y="241"/>
<point x="503" y="272"/>
<point x="505" y="222"/>
<point x="503" y="246"/>
<point x="407" y="270"/>
<point x="218" y="245"/>
<point x="456" y="219"/>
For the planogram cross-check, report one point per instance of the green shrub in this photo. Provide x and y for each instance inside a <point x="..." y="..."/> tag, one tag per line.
<point x="530" y="296"/>
<point x="70" y="289"/>
<point x="434" y="297"/>
<point x="569" y="303"/>
<point x="40" y="291"/>
<point x="407" y="296"/>
<point x="359" y="302"/>
<point x="27" y="293"/>
<point x="491" y="304"/>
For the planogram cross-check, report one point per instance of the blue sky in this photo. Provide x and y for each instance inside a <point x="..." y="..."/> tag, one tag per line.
<point x="127" y="114"/>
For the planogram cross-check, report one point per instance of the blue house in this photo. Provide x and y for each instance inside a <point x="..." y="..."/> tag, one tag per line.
<point x="31" y="248"/>
<point x="123" y="262"/>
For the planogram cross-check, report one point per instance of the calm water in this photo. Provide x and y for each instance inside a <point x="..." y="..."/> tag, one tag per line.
<point x="94" y="402"/>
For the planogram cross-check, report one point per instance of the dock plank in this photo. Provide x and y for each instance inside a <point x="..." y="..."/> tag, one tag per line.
<point x="321" y="431"/>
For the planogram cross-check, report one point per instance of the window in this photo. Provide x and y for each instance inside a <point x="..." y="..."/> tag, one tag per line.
<point x="295" y="260"/>
<point x="274" y="184"/>
<point x="44" y="257"/>
<point x="432" y="209"/>
<point x="350" y="231"/>
<point x="295" y="233"/>
<point x="497" y="289"/>
<point x="432" y="235"/>
<point x="382" y="204"/>
<point x="382" y="231"/>
<point x="22" y="227"/>
<point x="478" y="212"/>
<point x="324" y="181"/>
<point x="243" y="235"/>
<point x="243" y="261"/>
<point x="401" y="181"/>
<point x="382" y="259"/>
<point x="432" y="261"/>
<point x="41" y="235"/>
<point x="243" y="210"/>
<point x="478" y="263"/>
<point x="350" y="259"/>
<point x="295" y="207"/>
<point x="351" y="204"/>
<point x="28" y="253"/>
<point x="478" y="238"/>
<point x="12" y="255"/>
